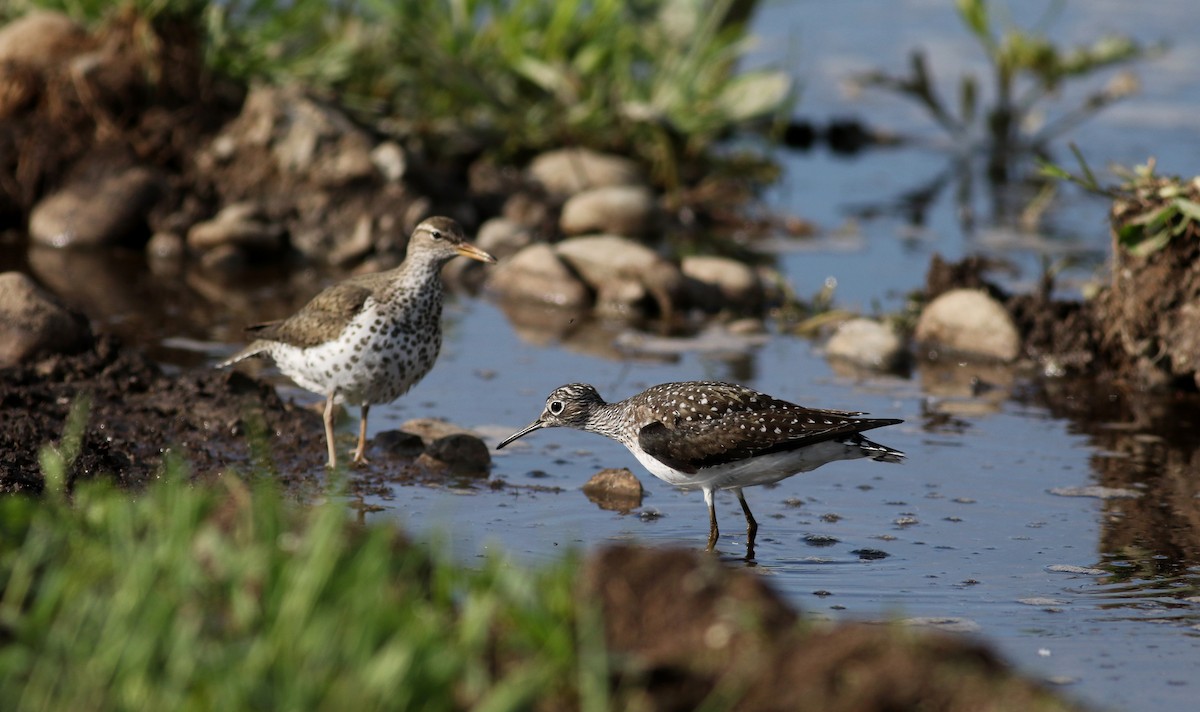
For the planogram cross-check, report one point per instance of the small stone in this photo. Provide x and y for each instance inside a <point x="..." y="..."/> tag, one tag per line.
<point x="536" y="274"/>
<point x="719" y="283"/>
<point x="430" y="429"/>
<point x="462" y="453"/>
<point x="623" y="273"/>
<point x="867" y="343"/>
<point x="615" y="489"/>
<point x="240" y="224"/>
<point x="628" y="211"/>
<point x="224" y="259"/>
<point x="33" y="322"/>
<point x="389" y="159"/>
<point x="568" y="171"/>
<point x="43" y="39"/>
<point x="969" y="322"/>
<point x="399" y="443"/>
<point x="96" y="212"/>
<point x="165" y="246"/>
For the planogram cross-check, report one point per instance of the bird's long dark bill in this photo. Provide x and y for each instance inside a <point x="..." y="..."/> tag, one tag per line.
<point x="475" y="253"/>
<point x="521" y="433"/>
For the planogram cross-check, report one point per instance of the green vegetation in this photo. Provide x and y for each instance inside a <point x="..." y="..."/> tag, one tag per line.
<point x="1027" y="69"/>
<point x="1148" y="210"/>
<point x="656" y="79"/>
<point x="233" y="597"/>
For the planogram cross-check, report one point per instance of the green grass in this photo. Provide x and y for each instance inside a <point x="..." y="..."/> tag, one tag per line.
<point x="655" y="79"/>
<point x="234" y="597"/>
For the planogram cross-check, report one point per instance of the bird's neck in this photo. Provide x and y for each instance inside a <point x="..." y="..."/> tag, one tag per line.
<point x="413" y="276"/>
<point x="605" y="419"/>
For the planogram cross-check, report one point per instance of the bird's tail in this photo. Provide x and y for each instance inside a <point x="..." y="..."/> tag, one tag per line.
<point x="253" y="349"/>
<point x="877" y="452"/>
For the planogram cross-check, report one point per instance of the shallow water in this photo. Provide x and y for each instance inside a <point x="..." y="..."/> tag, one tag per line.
<point x="977" y="530"/>
<point x="978" y="526"/>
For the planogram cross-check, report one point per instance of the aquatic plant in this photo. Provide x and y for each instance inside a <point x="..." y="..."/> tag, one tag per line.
<point x="1027" y="69"/>
<point x="1147" y="210"/>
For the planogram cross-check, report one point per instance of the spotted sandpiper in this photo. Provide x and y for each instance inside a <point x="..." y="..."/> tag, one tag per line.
<point x="712" y="436"/>
<point x="370" y="338"/>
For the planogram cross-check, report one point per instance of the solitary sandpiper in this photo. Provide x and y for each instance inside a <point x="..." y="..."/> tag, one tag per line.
<point x="370" y="338"/>
<point x="714" y="436"/>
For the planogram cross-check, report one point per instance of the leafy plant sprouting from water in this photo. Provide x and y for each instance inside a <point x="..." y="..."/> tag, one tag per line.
<point x="1027" y="68"/>
<point x="1148" y="210"/>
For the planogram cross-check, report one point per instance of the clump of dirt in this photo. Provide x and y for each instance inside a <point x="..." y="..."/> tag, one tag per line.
<point x="143" y="95"/>
<point x="1152" y="306"/>
<point x="214" y="420"/>
<point x="1066" y="335"/>
<point x="690" y="631"/>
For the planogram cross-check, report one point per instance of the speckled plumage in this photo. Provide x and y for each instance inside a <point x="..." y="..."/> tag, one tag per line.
<point x="370" y="338"/>
<point x="712" y="435"/>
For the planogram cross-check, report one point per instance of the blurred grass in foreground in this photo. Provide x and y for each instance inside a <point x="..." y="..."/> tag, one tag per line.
<point x="233" y="597"/>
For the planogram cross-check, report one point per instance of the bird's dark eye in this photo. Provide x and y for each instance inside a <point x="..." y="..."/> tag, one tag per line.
<point x="556" y="407"/>
<point x="435" y="234"/>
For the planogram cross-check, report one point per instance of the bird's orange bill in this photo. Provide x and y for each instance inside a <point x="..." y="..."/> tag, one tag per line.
<point x="468" y="250"/>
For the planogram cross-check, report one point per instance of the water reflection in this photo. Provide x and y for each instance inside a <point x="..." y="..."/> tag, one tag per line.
<point x="1145" y="443"/>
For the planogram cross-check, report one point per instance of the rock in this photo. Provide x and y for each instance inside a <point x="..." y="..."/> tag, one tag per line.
<point x="165" y="246"/>
<point x="399" y="443"/>
<point x="108" y="210"/>
<point x="568" y="171"/>
<point x="43" y="39"/>
<point x="615" y="489"/>
<point x="33" y="322"/>
<point x="225" y="259"/>
<point x="360" y="243"/>
<point x="306" y="137"/>
<point x="720" y="283"/>
<point x="502" y="238"/>
<point x="431" y="429"/>
<point x="868" y="344"/>
<point x="968" y="322"/>
<point x="389" y="159"/>
<point x="240" y="225"/>
<point x="623" y="273"/>
<point x="618" y="210"/>
<point x="530" y="209"/>
<point x="462" y="453"/>
<point x="536" y="274"/>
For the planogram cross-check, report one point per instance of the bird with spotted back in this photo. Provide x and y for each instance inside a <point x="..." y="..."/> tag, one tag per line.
<point x="370" y="338"/>
<point x="715" y="436"/>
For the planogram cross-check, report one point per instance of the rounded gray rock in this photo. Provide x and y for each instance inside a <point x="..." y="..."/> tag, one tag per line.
<point x="969" y="322"/>
<point x="536" y="274"/>
<point x="720" y="283"/>
<point x="43" y="39"/>
<point x="567" y="171"/>
<point x="867" y="343"/>
<point x="33" y="322"/>
<point x="96" y="213"/>
<point x="619" y="210"/>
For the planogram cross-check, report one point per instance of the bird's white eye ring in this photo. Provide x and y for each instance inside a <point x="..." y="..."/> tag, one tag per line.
<point x="556" y="407"/>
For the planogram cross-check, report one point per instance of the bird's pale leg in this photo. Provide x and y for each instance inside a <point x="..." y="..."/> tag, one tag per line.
<point x="360" y="457"/>
<point x="751" y="525"/>
<point x="713" y="531"/>
<point x="332" y="464"/>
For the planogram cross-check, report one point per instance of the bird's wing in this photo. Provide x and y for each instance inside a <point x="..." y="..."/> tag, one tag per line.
<point x="321" y="320"/>
<point x="689" y="446"/>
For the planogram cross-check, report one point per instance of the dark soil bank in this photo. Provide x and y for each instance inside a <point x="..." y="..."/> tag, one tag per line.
<point x="213" y="420"/>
